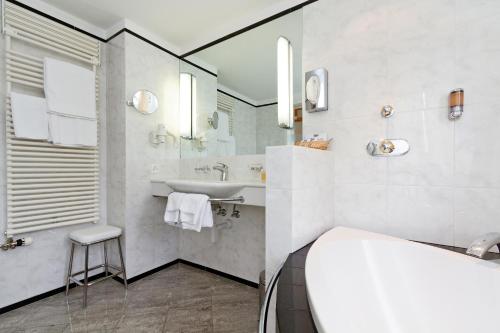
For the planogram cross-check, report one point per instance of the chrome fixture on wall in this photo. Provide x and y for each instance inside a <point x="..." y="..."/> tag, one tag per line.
<point x="214" y="120"/>
<point x="316" y="90"/>
<point x="144" y="101"/>
<point x="456" y="104"/>
<point x="11" y="243"/>
<point x="159" y="135"/>
<point x="224" y="169"/>
<point x="387" y="111"/>
<point x="388" y="147"/>
<point x="483" y="244"/>
<point x="204" y="169"/>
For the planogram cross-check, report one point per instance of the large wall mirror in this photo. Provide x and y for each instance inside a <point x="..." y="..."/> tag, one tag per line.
<point x="229" y="94"/>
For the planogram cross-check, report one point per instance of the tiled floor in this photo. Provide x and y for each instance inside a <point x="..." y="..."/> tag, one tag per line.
<point x="177" y="299"/>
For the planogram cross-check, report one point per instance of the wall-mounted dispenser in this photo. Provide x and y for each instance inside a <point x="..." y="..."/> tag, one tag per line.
<point x="456" y="104"/>
<point x="316" y="90"/>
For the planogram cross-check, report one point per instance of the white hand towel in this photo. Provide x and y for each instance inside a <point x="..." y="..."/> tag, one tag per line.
<point x="69" y="89"/>
<point x="172" y="211"/>
<point x="69" y="131"/>
<point x="206" y="219"/>
<point x="193" y="211"/>
<point x="29" y="115"/>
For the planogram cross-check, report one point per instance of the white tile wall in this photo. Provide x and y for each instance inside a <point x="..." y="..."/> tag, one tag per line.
<point x="267" y="131"/>
<point x="244" y="128"/>
<point x="149" y="242"/>
<point x="410" y="54"/>
<point x="299" y="200"/>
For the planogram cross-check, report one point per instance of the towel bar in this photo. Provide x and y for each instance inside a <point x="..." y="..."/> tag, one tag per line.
<point x="239" y="199"/>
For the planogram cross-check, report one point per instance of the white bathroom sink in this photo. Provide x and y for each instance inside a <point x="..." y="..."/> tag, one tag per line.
<point x="364" y="282"/>
<point x="213" y="189"/>
<point x="254" y="193"/>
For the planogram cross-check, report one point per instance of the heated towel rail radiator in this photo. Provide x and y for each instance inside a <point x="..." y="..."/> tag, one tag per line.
<point x="48" y="186"/>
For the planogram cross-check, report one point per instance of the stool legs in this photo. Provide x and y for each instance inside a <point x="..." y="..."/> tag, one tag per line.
<point x="105" y="259"/>
<point x="70" y="268"/>
<point x="122" y="263"/>
<point x="85" y="271"/>
<point x="86" y="276"/>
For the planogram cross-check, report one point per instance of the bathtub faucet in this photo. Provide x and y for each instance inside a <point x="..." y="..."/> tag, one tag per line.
<point x="483" y="244"/>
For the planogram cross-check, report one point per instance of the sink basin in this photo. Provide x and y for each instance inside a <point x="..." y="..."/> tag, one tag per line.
<point x="214" y="189"/>
<point x="254" y="193"/>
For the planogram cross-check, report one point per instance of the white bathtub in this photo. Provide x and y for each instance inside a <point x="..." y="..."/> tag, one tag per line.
<point x="365" y="282"/>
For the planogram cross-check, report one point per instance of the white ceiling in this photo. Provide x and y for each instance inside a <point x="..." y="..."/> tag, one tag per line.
<point x="247" y="63"/>
<point x="185" y="24"/>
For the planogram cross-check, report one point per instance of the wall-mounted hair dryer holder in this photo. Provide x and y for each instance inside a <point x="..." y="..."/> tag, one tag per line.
<point x="388" y="147"/>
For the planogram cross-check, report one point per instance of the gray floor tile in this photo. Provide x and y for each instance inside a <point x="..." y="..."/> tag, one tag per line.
<point x="179" y="299"/>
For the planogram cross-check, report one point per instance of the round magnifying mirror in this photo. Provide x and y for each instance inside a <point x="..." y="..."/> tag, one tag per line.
<point x="144" y="101"/>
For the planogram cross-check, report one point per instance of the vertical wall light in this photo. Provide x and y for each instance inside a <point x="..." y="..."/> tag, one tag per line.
<point x="187" y="106"/>
<point x="285" y="83"/>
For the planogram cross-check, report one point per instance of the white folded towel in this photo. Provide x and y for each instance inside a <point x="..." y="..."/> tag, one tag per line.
<point x="172" y="212"/>
<point x="29" y="115"/>
<point x="70" y="93"/>
<point x="69" y="131"/>
<point x="69" y="89"/>
<point x="189" y="211"/>
<point x="193" y="209"/>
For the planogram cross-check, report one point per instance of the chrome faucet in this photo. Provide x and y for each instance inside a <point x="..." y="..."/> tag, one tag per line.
<point x="483" y="244"/>
<point x="223" y="168"/>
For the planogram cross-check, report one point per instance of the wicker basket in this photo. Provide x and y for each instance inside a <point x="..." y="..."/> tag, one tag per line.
<point x="319" y="144"/>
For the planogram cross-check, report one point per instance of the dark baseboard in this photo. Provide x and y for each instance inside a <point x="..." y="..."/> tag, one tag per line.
<point x="45" y="295"/>
<point x="129" y="281"/>
<point x="143" y="275"/>
<point x="225" y="275"/>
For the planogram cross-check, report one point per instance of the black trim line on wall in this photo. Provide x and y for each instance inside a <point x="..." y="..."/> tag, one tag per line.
<point x="250" y="27"/>
<point x="181" y="57"/>
<point x="45" y="295"/>
<point x="216" y="272"/>
<point x="55" y="19"/>
<point x="129" y="281"/>
<point x="158" y="47"/>
<point x="242" y="100"/>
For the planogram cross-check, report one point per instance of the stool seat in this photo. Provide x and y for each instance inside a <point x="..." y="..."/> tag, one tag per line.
<point x="95" y="234"/>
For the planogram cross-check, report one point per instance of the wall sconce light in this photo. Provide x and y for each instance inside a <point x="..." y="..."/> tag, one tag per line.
<point x="187" y="106"/>
<point x="285" y="83"/>
<point x="159" y="136"/>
